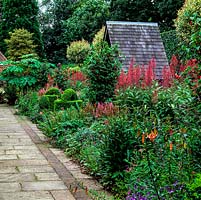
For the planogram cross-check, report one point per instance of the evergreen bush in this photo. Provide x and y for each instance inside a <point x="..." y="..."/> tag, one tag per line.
<point x="59" y="104"/>
<point x="188" y="25"/>
<point x="98" y="38"/>
<point x="44" y="102"/>
<point x="69" y="95"/>
<point x="19" y="44"/>
<point x="102" y="68"/>
<point x="53" y="91"/>
<point x="78" y="51"/>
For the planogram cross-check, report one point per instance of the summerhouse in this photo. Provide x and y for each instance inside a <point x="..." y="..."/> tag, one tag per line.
<point x="139" y="41"/>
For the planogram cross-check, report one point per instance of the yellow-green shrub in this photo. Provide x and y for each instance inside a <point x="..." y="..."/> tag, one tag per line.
<point x="99" y="36"/>
<point x="19" y="44"/>
<point x="78" y="51"/>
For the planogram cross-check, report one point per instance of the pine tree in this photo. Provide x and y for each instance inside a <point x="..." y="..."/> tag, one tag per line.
<point x="20" y="14"/>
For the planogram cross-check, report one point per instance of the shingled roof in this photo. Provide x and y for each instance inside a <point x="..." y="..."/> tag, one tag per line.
<point x="138" y="40"/>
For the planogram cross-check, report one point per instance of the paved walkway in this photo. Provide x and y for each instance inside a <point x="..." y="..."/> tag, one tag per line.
<point x="31" y="170"/>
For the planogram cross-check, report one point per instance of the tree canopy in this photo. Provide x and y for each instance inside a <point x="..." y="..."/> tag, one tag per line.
<point x="20" y="14"/>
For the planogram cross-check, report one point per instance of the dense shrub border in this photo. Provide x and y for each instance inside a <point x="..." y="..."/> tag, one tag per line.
<point x="146" y="141"/>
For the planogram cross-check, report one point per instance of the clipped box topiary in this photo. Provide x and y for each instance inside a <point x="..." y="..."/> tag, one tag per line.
<point x="53" y="91"/>
<point x="69" y="95"/>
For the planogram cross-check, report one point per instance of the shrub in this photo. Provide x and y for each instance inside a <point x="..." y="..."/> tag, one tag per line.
<point x="19" y="44"/>
<point x="28" y="105"/>
<point x="44" y="102"/>
<point x="51" y="98"/>
<point x="69" y="95"/>
<point x="117" y="150"/>
<point x="171" y="41"/>
<point x="188" y="25"/>
<point x="53" y="91"/>
<point x="59" y="104"/>
<point x="27" y="74"/>
<point x="102" y="69"/>
<point x="78" y="51"/>
<point x="98" y="38"/>
<point x="2" y="95"/>
<point x="195" y="187"/>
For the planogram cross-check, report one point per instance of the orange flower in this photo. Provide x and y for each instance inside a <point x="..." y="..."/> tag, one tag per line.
<point x="143" y="138"/>
<point x="152" y="135"/>
<point x="171" y="146"/>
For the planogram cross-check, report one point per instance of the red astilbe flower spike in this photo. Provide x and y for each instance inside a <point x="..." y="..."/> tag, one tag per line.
<point x="105" y="109"/>
<point x="77" y="76"/>
<point x="122" y="80"/>
<point x="149" y="75"/>
<point x="167" y="77"/>
<point x="137" y="75"/>
<point x="174" y="63"/>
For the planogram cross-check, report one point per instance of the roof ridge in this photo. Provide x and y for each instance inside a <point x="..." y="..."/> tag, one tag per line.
<point x="132" y="23"/>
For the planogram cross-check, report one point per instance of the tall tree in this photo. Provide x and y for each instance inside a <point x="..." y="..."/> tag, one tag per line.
<point x="161" y="11"/>
<point x="20" y="14"/>
<point x="51" y="19"/>
<point x="88" y="18"/>
<point x="131" y="10"/>
<point x="166" y="12"/>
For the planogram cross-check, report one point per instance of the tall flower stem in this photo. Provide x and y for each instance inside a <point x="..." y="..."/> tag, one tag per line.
<point x="151" y="173"/>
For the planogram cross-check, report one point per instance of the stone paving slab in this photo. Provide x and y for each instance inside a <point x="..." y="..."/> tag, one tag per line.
<point x="62" y="195"/>
<point x="43" y="185"/>
<point x="38" y="195"/>
<point x="8" y="177"/>
<point x="9" y="187"/>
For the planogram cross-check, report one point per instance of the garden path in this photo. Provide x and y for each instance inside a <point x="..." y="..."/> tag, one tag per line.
<point x="30" y="169"/>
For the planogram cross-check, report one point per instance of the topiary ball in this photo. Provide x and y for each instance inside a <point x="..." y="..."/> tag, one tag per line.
<point x="53" y="91"/>
<point x="69" y="95"/>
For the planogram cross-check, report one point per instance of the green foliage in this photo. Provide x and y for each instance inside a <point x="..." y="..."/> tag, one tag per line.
<point x="19" y="44"/>
<point x="53" y="91"/>
<point x="51" y="98"/>
<point x="77" y="51"/>
<point x="28" y="73"/>
<point x="98" y="38"/>
<point x="2" y="95"/>
<point x="195" y="187"/>
<point x="18" y="14"/>
<point x="188" y="25"/>
<point x="86" y="20"/>
<point x="166" y="12"/>
<point x="140" y="10"/>
<point x="69" y="95"/>
<point x="162" y="11"/>
<point x="117" y="150"/>
<point x="28" y="105"/>
<point x="60" y="104"/>
<point x="61" y="125"/>
<point x="102" y="69"/>
<point x="53" y="28"/>
<point x="11" y="94"/>
<point x="171" y="44"/>
<point x="44" y="102"/>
